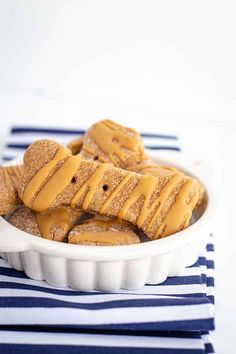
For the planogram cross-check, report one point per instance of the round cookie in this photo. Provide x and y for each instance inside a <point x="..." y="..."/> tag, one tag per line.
<point x="102" y="231"/>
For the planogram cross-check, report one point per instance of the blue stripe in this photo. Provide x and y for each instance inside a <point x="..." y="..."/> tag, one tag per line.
<point x="210" y="247"/>
<point x="159" y="136"/>
<point x="7" y="158"/>
<point x="211" y="299"/>
<point x="157" y="147"/>
<point x="27" y="301"/>
<point x="206" y="262"/>
<point x="23" y="130"/>
<point x="206" y="324"/>
<point x="20" y="130"/>
<point x="182" y="280"/>
<point x="209" y="348"/>
<point x="210" y="281"/>
<point x="50" y="329"/>
<point x="18" y="146"/>
<point x="69" y="349"/>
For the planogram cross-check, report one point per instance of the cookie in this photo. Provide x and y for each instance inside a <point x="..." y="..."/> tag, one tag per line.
<point x="106" y="141"/>
<point x="103" y="231"/>
<point x="53" y="224"/>
<point x="9" y="178"/>
<point x="52" y="177"/>
<point x="153" y="169"/>
<point x="24" y="219"/>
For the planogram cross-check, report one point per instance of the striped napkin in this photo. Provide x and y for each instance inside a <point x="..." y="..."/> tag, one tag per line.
<point x="173" y="317"/>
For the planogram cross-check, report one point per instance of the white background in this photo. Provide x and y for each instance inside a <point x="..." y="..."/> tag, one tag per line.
<point x="154" y="65"/>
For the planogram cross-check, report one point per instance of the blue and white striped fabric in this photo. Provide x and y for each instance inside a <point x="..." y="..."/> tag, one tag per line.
<point x="174" y="317"/>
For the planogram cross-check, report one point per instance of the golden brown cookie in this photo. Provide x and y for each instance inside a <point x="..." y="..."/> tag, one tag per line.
<point x="53" y="224"/>
<point x="106" y="141"/>
<point x="148" y="167"/>
<point x="52" y="177"/>
<point x="9" y="177"/>
<point x="24" y="219"/>
<point x="103" y="231"/>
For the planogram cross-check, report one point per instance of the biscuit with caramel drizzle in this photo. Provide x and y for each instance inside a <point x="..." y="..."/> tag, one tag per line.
<point x="9" y="178"/>
<point x="53" y="224"/>
<point x="107" y="141"/>
<point x="52" y="177"/>
<point x="149" y="168"/>
<point x="103" y="231"/>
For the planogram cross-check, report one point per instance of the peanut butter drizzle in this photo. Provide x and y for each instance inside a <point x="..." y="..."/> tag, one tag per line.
<point x="59" y="216"/>
<point x="141" y="167"/>
<point x="105" y="223"/>
<point x="57" y="183"/>
<point x="181" y="207"/>
<point x="110" y="238"/>
<point x="115" y="140"/>
<point x="35" y="184"/>
<point x="146" y="187"/>
<point x="91" y="184"/>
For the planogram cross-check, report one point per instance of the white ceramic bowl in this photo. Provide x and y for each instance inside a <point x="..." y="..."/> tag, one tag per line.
<point x="109" y="268"/>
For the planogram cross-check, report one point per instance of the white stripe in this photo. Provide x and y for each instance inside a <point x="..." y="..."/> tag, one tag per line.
<point x="160" y="142"/>
<point x="25" y="138"/>
<point x="158" y="289"/>
<point x="14" y="337"/>
<point x="12" y="153"/>
<point x="68" y="316"/>
<point x="86" y="299"/>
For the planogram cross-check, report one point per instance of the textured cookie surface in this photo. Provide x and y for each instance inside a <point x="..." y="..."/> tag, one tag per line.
<point x="103" y="231"/>
<point x="9" y="178"/>
<point x="24" y="219"/>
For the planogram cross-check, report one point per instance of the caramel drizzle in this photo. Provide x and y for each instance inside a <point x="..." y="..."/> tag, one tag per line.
<point x="57" y="183"/>
<point x="59" y="216"/>
<point x="146" y="187"/>
<point x="91" y="184"/>
<point x="180" y="208"/>
<point x="36" y="182"/>
<point x="110" y="139"/>
<point x="141" y="167"/>
<point x="107" y="224"/>
<point x="116" y="191"/>
<point x="106" y="237"/>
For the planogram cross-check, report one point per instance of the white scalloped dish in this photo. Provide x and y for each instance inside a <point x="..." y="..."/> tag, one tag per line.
<point x="109" y="268"/>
